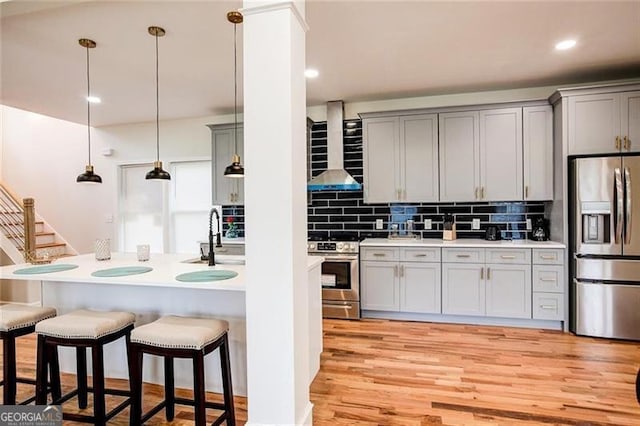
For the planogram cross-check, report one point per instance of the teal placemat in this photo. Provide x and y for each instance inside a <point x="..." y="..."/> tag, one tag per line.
<point x="204" y="276"/>
<point x="121" y="271"/>
<point x="45" y="269"/>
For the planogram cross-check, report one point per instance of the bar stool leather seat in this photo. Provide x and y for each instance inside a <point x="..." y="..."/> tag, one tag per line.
<point x="18" y="320"/>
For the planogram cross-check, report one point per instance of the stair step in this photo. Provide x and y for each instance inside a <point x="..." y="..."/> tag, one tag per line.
<point x="38" y="234"/>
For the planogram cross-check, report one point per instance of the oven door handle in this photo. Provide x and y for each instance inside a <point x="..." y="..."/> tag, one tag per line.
<point x="341" y="258"/>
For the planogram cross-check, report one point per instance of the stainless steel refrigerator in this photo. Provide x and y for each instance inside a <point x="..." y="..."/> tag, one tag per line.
<point x="605" y="257"/>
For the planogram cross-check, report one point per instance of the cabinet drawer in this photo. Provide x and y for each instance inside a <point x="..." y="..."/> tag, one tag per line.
<point x="463" y="255"/>
<point x="548" y="306"/>
<point x="549" y="278"/>
<point x="420" y="254"/>
<point x="548" y="256"/>
<point x="379" y="253"/>
<point x="516" y="256"/>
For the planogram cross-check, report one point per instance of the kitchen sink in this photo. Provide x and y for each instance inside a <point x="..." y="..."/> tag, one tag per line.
<point x="220" y="260"/>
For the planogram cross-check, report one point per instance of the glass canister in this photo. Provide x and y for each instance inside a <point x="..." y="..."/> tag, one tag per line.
<point x="103" y="249"/>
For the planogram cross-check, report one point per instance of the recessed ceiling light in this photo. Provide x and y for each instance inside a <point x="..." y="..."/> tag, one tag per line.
<point x="94" y="99"/>
<point x="565" y="44"/>
<point x="311" y="73"/>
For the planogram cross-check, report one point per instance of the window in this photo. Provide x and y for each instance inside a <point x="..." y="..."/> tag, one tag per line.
<point x="169" y="216"/>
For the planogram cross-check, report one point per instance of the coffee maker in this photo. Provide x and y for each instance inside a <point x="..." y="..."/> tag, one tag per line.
<point x="540" y="230"/>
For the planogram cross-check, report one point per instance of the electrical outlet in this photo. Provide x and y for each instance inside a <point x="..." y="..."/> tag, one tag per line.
<point x="475" y="224"/>
<point x="427" y="224"/>
<point x="108" y="218"/>
<point x="529" y="226"/>
<point x="379" y="224"/>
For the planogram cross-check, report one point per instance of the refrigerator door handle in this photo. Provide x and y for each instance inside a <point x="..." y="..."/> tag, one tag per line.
<point x="618" y="207"/>
<point x="627" y="210"/>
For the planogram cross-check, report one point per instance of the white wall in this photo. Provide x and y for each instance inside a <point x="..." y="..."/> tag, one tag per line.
<point x="42" y="157"/>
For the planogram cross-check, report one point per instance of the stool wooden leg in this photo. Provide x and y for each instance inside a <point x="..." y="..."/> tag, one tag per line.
<point x="99" y="409"/>
<point x="225" y="366"/>
<point x="41" y="371"/>
<point x="135" y="382"/>
<point x="169" y="388"/>
<point x="81" y="374"/>
<point x="198" y="389"/>
<point x="9" y="370"/>
<point x="54" y="373"/>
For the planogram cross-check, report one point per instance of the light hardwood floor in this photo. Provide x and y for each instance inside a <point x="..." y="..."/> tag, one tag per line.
<point x="377" y="372"/>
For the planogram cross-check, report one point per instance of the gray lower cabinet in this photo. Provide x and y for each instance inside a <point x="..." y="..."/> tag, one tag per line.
<point x="410" y="285"/>
<point x="499" y="288"/>
<point x="380" y="286"/>
<point x="463" y="289"/>
<point x="508" y="291"/>
<point x="549" y="287"/>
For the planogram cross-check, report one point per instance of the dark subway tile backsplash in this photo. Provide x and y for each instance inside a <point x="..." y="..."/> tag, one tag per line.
<point x="347" y="213"/>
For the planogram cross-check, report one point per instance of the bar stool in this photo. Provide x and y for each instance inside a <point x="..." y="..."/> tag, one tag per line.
<point x="15" y="321"/>
<point x="83" y="329"/>
<point x="181" y="337"/>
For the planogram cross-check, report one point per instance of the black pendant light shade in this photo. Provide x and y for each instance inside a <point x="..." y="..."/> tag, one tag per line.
<point x="157" y="173"/>
<point x="235" y="170"/>
<point x="88" y="176"/>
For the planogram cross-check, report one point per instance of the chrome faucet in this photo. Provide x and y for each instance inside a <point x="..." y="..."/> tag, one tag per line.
<point x="213" y="211"/>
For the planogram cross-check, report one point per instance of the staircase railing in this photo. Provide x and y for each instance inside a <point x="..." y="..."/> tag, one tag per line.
<point x="12" y="218"/>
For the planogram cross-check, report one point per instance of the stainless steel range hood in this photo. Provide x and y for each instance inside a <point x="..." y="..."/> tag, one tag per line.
<point x="335" y="178"/>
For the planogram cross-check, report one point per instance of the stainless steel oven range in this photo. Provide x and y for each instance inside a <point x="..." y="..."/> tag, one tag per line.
<point x="340" y="277"/>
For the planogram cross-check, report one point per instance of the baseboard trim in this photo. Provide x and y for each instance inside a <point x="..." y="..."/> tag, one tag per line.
<point x="36" y="303"/>
<point x="306" y="419"/>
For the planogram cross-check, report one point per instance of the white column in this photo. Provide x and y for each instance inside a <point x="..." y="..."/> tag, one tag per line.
<point x="276" y="212"/>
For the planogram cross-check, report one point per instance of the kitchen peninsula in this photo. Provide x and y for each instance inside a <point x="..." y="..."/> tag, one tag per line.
<point x="153" y="294"/>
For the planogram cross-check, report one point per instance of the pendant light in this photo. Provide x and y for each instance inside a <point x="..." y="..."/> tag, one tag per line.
<point x="235" y="170"/>
<point x="88" y="176"/>
<point x="157" y="173"/>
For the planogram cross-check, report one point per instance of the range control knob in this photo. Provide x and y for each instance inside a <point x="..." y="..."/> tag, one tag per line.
<point x="350" y="247"/>
<point x="311" y="246"/>
<point x="340" y="246"/>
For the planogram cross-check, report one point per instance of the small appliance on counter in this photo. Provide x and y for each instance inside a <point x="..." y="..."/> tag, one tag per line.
<point x="492" y="233"/>
<point x="449" y="232"/>
<point x="540" y="230"/>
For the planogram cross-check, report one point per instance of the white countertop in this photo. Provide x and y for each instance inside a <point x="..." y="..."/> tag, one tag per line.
<point x="165" y="268"/>
<point x="460" y="243"/>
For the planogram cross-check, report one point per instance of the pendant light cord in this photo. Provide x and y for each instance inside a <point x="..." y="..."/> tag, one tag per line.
<point x="88" y="107"/>
<point x="157" y="105"/>
<point x="235" y="84"/>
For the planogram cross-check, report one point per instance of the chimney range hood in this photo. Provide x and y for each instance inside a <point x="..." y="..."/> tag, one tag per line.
<point x="335" y="178"/>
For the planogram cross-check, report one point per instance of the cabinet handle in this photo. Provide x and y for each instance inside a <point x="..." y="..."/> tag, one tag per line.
<point x="547" y="257"/>
<point x="488" y="273"/>
<point x="482" y="273"/>
<point x="401" y="270"/>
<point x="463" y="255"/>
<point x="548" y="307"/>
<point x="617" y="142"/>
<point x="526" y="191"/>
<point x="476" y="192"/>
<point x="627" y="143"/>
<point x="421" y="255"/>
<point x="395" y="270"/>
<point x="404" y="194"/>
<point x="482" y="193"/>
<point x="379" y="254"/>
<point x="507" y="256"/>
<point x="548" y="280"/>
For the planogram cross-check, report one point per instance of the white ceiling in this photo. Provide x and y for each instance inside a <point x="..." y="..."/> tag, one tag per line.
<point x="364" y="50"/>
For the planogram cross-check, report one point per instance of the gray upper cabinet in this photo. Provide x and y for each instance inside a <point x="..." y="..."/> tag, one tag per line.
<point x="604" y="123"/>
<point x="226" y="191"/>
<point x="381" y="155"/>
<point x="537" y="143"/>
<point x="501" y="154"/>
<point x="459" y="156"/>
<point x="401" y="158"/>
